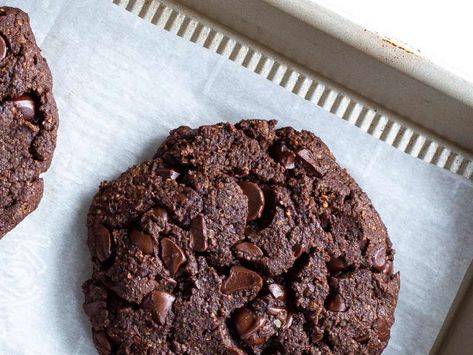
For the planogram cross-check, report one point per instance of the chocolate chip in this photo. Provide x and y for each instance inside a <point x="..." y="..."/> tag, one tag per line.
<point x="101" y="342"/>
<point x="248" y="251"/>
<point x="336" y="264"/>
<point x="278" y="291"/>
<point x="389" y="268"/>
<point x="283" y="155"/>
<point x="378" y="258"/>
<point x="381" y="327"/>
<point x="159" y="303"/>
<point x="241" y="278"/>
<point x="276" y="149"/>
<point x="310" y="163"/>
<point x="26" y="105"/>
<point x="247" y="324"/>
<point x="143" y="241"/>
<point x="103" y="243"/>
<point x="199" y="234"/>
<point x="240" y="171"/>
<point x="159" y="213"/>
<point x="167" y="173"/>
<point x="173" y="256"/>
<point x="184" y="131"/>
<point x="255" y="199"/>
<point x="298" y="250"/>
<point x="363" y="338"/>
<point x="337" y="304"/>
<point x="287" y="160"/>
<point x="243" y="319"/>
<point x="3" y="48"/>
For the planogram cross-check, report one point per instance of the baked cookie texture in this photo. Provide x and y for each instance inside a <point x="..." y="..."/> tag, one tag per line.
<point x="239" y="239"/>
<point x="28" y="119"/>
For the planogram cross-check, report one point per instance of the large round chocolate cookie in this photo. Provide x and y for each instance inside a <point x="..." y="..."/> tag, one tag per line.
<point x="28" y="119"/>
<point x="239" y="239"/>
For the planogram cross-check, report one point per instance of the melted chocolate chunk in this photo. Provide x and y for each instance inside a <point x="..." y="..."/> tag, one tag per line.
<point x="336" y="264"/>
<point x="241" y="279"/>
<point x="26" y="105"/>
<point x="173" y="256"/>
<point x="378" y="258"/>
<point x="199" y="234"/>
<point x="159" y="303"/>
<point x="310" y="163"/>
<point x="168" y="173"/>
<point x="248" y="251"/>
<point x="143" y="241"/>
<point x="337" y="304"/>
<point x="248" y="325"/>
<point x="103" y="243"/>
<point x="284" y="156"/>
<point x="3" y="48"/>
<point x="159" y="213"/>
<point x="255" y="199"/>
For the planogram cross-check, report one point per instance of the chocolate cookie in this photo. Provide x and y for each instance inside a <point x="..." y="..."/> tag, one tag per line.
<point x="239" y="239"/>
<point x="28" y="119"/>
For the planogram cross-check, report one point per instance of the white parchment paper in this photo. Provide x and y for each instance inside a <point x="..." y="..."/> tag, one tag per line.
<point x="121" y="84"/>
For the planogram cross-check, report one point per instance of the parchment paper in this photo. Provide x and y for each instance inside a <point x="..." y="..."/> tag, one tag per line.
<point x="121" y="84"/>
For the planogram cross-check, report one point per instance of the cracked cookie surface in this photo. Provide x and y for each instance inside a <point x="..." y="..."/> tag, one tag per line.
<point x="28" y="119"/>
<point x="239" y="239"/>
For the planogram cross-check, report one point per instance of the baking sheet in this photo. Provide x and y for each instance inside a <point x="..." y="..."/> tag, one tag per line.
<point x="121" y="84"/>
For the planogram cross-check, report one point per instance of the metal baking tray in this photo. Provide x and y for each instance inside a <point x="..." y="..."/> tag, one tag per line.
<point x="385" y="89"/>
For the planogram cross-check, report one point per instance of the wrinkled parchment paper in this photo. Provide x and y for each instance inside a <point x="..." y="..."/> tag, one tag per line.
<point x="121" y="84"/>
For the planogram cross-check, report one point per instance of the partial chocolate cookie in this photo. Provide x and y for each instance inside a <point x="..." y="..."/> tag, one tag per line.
<point x="28" y="119"/>
<point x="239" y="239"/>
